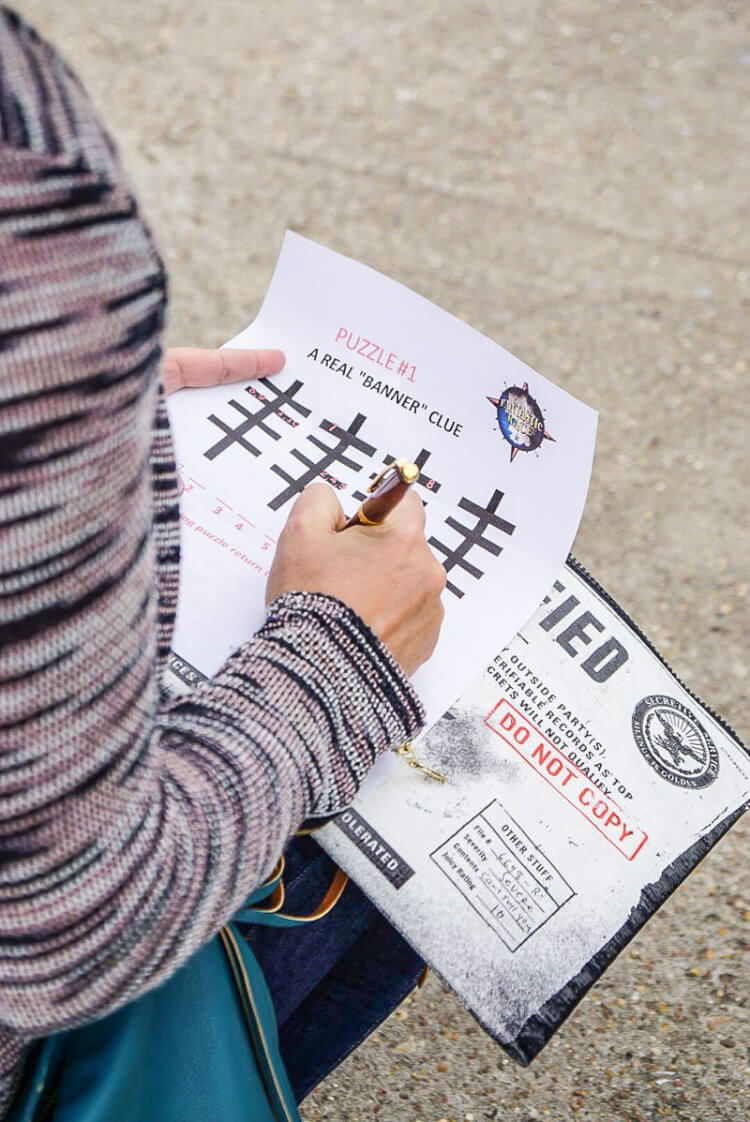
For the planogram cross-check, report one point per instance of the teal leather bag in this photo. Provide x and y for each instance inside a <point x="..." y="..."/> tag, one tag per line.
<point x="203" y="1047"/>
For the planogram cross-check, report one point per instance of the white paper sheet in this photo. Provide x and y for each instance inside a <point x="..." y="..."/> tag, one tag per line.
<point x="376" y="372"/>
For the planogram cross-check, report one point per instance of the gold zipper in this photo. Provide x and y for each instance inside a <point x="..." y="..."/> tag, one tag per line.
<point x="243" y="982"/>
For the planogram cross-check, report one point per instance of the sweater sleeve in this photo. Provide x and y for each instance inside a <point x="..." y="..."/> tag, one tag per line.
<point x="131" y="828"/>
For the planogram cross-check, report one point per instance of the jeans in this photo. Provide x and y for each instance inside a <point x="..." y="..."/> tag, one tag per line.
<point x="332" y="981"/>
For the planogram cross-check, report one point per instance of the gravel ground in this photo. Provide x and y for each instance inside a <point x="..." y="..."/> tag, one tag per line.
<point x="568" y="177"/>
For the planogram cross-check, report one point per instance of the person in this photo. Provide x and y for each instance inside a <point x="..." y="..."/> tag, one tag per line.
<point x="132" y="827"/>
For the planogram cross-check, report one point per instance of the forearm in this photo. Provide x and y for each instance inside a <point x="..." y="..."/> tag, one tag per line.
<point x="141" y="868"/>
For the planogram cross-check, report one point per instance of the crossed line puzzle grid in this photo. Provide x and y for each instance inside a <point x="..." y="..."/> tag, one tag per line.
<point x="423" y="481"/>
<point x="271" y="406"/>
<point x="340" y="445"/>
<point x="472" y="537"/>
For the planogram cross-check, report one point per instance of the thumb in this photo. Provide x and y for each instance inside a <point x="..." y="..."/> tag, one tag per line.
<point x="317" y="509"/>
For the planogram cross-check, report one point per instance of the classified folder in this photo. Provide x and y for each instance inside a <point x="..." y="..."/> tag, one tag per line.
<point x="583" y="782"/>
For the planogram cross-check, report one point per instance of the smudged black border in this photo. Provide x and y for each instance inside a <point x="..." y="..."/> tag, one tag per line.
<point x="539" y="1028"/>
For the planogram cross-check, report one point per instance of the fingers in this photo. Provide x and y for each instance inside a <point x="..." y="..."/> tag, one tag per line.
<point x="193" y="366"/>
<point x="318" y="508"/>
<point x="407" y="515"/>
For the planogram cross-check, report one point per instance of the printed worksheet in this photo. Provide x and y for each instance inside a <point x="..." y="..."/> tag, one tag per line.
<point x="375" y="372"/>
<point x="582" y="783"/>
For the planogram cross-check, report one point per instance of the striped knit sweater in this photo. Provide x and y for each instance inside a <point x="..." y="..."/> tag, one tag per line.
<point x="131" y="827"/>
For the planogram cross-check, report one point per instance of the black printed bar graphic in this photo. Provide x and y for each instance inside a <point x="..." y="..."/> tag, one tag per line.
<point x="375" y="848"/>
<point x="423" y="480"/>
<point x="258" y="419"/>
<point x="473" y="536"/>
<point x="346" y="440"/>
<point x="185" y="670"/>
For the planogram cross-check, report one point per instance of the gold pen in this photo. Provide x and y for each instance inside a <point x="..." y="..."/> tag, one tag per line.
<point x="384" y="493"/>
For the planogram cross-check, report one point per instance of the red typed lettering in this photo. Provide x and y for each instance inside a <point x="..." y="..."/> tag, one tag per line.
<point x="562" y="774"/>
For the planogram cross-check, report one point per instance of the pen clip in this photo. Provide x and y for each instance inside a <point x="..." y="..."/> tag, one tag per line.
<point x="405" y="469"/>
<point x="392" y="466"/>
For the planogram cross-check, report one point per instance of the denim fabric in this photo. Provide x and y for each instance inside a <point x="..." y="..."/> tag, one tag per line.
<point x="332" y="981"/>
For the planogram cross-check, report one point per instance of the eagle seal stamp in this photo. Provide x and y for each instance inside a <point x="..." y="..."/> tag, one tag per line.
<point x="674" y="742"/>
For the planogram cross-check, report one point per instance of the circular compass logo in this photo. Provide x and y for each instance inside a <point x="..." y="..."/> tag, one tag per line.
<point x="674" y="742"/>
<point x="521" y="420"/>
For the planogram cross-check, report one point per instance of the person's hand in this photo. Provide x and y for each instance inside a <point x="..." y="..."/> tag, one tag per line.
<point x="386" y="573"/>
<point x="192" y="366"/>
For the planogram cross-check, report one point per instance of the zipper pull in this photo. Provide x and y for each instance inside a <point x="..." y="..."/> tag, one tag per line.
<point x="406" y="752"/>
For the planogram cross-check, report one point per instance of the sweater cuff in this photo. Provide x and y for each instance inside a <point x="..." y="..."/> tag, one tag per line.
<point x="364" y="700"/>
